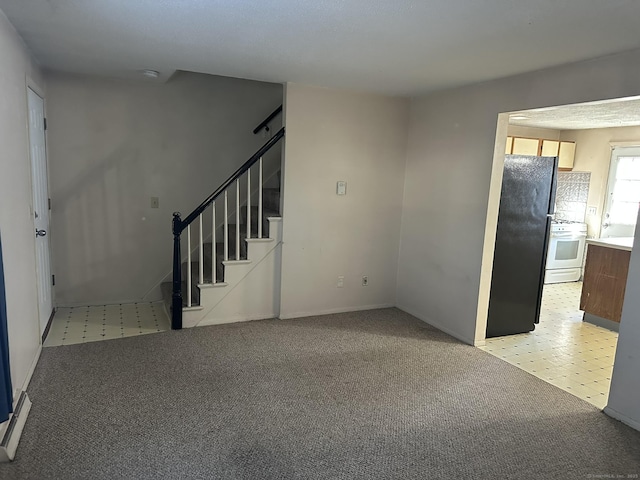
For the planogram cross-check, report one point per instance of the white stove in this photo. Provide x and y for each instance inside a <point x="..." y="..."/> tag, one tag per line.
<point x="566" y="251"/>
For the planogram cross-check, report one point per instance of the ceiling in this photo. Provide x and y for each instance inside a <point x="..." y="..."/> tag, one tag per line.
<point x="605" y="114"/>
<point x="399" y="47"/>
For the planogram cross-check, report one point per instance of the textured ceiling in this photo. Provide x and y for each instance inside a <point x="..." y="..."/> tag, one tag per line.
<point x="399" y="47"/>
<point x="607" y="114"/>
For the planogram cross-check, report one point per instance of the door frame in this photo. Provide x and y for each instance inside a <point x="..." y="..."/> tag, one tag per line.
<point x="493" y="206"/>
<point x="31" y="84"/>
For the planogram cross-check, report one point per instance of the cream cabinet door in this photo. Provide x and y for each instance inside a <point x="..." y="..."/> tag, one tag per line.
<point x="550" y="148"/>
<point x="525" y="146"/>
<point x="566" y="155"/>
<point x="509" y="146"/>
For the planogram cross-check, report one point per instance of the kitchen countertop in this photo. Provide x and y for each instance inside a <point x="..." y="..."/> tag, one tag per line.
<point x="621" y="243"/>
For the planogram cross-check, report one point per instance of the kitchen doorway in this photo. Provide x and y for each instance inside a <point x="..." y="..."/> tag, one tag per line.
<point x="562" y="349"/>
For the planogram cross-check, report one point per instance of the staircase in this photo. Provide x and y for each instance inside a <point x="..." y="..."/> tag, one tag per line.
<point x="224" y="267"/>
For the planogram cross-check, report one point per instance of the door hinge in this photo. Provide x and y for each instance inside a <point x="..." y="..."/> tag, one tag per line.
<point x="45" y="123"/>
<point x="49" y="203"/>
<point x="53" y="280"/>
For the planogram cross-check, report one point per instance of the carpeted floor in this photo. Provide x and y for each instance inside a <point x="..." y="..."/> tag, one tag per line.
<point x="370" y="395"/>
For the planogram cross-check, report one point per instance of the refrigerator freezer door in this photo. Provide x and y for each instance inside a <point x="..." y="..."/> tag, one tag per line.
<point x="528" y="189"/>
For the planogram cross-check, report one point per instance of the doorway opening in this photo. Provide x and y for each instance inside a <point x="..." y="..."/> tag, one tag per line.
<point x="583" y="271"/>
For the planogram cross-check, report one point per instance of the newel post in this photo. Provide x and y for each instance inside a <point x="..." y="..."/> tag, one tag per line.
<point x="176" y="297"/>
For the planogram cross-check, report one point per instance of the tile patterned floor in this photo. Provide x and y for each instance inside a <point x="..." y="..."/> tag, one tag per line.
<point x="105" y="322"/>
<point x="563" y="350"/>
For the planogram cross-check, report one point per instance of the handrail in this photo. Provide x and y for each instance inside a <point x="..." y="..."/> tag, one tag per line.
<point x="211" y="198"/>
<point x="265" y="122"/>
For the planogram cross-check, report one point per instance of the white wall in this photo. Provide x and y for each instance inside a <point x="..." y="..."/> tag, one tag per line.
<point x="16" y="220"/>
<point x="624" y="395"/>
<point x="113" y="145"/>
<point x="593" y="154"/>
<point x="453" y="156"/>
<point x="359" y="138"/>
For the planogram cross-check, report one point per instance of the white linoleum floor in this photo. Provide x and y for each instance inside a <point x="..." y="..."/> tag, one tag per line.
<point x="563" y="350"/>
<point x="105" y="322"/>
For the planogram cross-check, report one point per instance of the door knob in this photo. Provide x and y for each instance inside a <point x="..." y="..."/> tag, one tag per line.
<point x="605" y="225"/>
<point x="40" y="233"/>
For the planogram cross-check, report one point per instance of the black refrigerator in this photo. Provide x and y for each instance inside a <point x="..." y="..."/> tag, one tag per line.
<point x="524" y="220"/>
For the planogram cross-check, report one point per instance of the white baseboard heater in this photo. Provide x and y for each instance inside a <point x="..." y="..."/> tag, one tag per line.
<point x="13" y="431"/>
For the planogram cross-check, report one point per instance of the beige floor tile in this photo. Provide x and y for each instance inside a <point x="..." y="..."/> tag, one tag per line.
<point x="564" y="351"/>
<point x="95" y="323"/>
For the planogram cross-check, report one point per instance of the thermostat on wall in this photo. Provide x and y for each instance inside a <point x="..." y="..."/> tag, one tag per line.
<point x="341" y="189"/>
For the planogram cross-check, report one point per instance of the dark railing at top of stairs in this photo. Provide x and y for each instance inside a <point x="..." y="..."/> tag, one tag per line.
<point x="266" y="121"/>
<point x="180" y="225"/>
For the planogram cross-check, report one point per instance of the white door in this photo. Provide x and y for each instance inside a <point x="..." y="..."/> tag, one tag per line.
<point x="623" y="193"/>
<point x="38" y="151"/>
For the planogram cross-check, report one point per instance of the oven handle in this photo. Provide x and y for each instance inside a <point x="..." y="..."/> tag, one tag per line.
<point x="568" y="235"/>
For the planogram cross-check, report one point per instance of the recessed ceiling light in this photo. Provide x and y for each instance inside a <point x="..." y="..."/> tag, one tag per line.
<point x="151" y="73"/>
<point x="519" y="117"/>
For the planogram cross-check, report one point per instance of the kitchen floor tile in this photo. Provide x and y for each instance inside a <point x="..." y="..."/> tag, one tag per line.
<point x="105" y="322"/>
<point x="563" y="350"/>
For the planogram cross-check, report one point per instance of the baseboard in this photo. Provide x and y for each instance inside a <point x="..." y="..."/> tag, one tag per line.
<point x="235" y="319"/>
<point x="623" y="418"/>
<point x="27" y="380"/>
<point x="103" y="303"/>
<point x="438" y="326"/>
<point x="48" y="327"/>
<point x="334" y="310"/>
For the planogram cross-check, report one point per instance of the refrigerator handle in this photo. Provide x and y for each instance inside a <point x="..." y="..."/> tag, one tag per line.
<point x="554" y="186"/>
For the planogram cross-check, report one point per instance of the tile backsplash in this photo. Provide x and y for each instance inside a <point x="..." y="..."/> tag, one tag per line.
<point x="572" y="195"/>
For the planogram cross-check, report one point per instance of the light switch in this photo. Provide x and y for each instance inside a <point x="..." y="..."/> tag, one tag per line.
<point x="341" y="188"/>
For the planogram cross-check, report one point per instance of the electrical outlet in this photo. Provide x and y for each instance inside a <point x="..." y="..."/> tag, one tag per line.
<point x="365" y="280"/>
<point x="340" y="281"/>
<point x="155" y="202"/>
<point x="592" y="210"/>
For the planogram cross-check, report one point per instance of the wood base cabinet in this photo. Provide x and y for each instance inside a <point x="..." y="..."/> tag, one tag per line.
<point x="605" y="280"/>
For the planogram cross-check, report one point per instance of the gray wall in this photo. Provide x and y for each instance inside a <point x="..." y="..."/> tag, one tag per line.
<point x="624" y="396"/>
<point x="360" y="138"/>
<point x="113" y="144"/>
<point x="449" y="196"/>
<point x="16" y="219"/>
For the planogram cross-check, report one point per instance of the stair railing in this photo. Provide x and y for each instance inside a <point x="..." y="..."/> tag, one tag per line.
<point x="179" y="226"/>
<point x="265" y="123"/>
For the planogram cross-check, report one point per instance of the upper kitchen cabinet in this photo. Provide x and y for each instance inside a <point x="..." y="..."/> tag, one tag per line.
<point x="526" y="146"/>
<point x="550" y="148"/>
<point x="566" y="155"/>
<point x="509" y="148"/>
<point x="565" y="151"/>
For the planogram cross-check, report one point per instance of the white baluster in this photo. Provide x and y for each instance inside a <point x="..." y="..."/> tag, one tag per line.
<point x="200" y="254"/>
<point x="189" y="265"/>
<point x="226" y="226"/>
<point x="214" y="250"/>
<point x="249" y="203"/>
<point x="237" y="219"/>
<point x="260" y="198"/>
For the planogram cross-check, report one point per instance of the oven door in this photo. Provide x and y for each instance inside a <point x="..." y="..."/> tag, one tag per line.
<point x="565" y="250"/>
